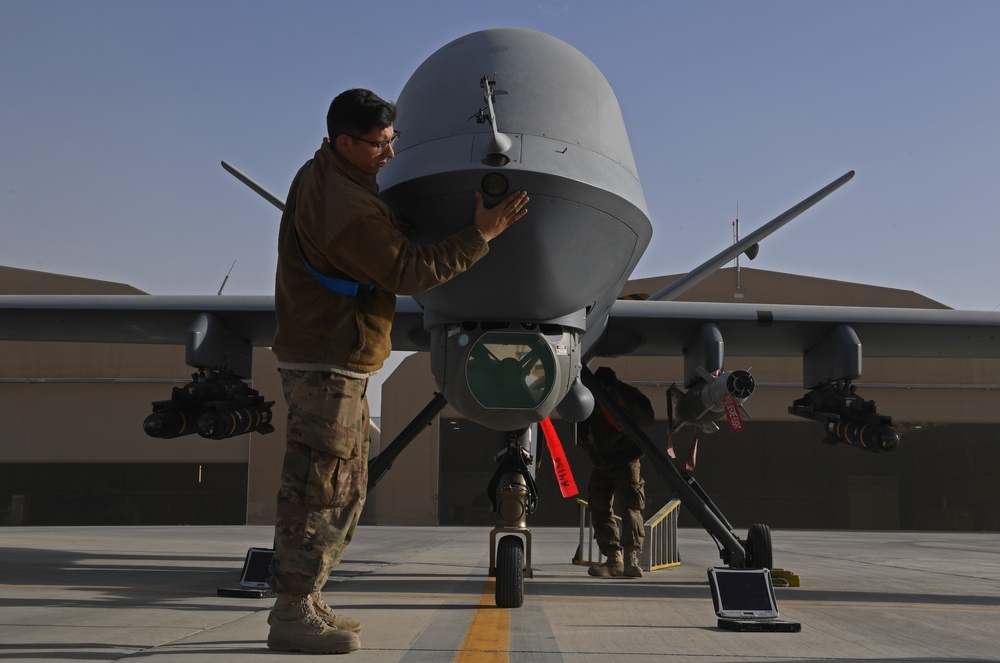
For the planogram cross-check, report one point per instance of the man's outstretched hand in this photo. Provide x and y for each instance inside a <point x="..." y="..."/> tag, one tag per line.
<point x="493" y="221"/>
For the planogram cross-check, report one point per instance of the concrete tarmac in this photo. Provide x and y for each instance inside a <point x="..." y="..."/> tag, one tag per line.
<point x="422" y="594"/>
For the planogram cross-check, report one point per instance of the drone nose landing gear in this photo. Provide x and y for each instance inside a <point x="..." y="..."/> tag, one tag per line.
<point x="512" y="491"/>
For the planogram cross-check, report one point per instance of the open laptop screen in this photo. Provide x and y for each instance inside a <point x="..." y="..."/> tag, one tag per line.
<point x="742" y="593"/>
<point x="256" y="568"/>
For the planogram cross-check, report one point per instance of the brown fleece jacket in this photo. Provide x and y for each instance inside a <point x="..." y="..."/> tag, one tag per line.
<point x="347" y="232"/>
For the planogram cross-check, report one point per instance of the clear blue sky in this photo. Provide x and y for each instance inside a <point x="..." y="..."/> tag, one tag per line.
<point x="114" y="117"/>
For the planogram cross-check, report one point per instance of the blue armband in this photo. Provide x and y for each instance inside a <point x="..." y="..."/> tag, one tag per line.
<point x="340" y="286"/>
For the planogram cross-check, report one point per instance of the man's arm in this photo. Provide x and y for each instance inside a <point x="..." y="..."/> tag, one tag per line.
<point x="373" y="250"/>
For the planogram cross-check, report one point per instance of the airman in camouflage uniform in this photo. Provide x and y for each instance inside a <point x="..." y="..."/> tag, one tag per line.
<point x="616" y="475"/>
<point x="342" y="259"/>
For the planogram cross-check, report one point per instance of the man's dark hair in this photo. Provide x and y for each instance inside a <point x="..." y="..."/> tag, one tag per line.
<point x="358" y="112"/>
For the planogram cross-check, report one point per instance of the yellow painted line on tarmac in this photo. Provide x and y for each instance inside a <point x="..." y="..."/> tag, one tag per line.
<point x="488" y="638"/>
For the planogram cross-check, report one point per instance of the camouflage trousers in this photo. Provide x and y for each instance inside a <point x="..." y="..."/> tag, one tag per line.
<point x="324" y="479"/>
<point x="626" y="484"/>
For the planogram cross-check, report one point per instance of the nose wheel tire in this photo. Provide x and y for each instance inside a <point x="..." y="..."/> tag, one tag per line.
<point x="510" y="572"/>
<point x="759" y="553"/>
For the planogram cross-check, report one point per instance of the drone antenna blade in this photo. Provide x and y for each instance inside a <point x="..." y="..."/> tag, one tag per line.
<point x="264" y="193"/>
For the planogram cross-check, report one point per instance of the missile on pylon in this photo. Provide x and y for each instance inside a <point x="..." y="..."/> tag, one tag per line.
<point x="847" y="417"/>
<point x="705" y="401"/>
<point x="877" y="435"/>
<point x="214" y="405"/>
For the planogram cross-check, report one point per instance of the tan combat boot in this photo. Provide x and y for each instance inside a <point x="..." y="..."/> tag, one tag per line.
<point x="612" y="568"/>
<point x="632" y="568"/>
<point x="295" y="626"/>
<point x="326" y="613"/>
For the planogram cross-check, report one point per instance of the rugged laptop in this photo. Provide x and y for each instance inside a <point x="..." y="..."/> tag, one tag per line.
<point x="742" y="593"/>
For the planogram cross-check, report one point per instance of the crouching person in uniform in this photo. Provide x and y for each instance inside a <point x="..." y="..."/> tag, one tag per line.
<point x="616" y="477"/>
<point x="342" y="260"/>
